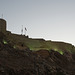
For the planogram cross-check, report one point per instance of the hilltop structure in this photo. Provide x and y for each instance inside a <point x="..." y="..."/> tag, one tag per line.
<point x="2" y="25"/>
<point x="23" y="42"/>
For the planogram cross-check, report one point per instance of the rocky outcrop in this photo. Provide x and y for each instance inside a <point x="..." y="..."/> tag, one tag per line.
<point x="42" y="53"/>
<point x="26" y="62"/>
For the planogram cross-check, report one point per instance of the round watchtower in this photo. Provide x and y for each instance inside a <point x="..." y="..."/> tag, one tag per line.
<point x="2" y="25"/>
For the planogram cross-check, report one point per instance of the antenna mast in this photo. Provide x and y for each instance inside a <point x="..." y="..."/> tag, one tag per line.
<point x="2" y="16"/>
<point x="22" y="30"/>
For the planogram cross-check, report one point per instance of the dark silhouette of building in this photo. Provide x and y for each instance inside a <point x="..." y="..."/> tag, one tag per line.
<point x="2" y="25"/>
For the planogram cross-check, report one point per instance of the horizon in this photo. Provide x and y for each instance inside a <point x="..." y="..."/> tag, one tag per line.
<point x="48" y="19"/>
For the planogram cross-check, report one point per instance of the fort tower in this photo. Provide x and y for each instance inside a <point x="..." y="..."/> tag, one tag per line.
<point x="2" y="25"/>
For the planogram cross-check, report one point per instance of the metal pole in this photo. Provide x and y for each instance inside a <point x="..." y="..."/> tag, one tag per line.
<point x="22" y="30"/>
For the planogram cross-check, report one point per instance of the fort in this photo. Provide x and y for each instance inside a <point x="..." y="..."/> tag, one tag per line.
<point x="47" y="57"/>
<point x="23" y="42"/>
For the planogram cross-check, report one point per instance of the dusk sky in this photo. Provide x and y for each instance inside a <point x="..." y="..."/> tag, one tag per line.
<point x="49" y="19"/>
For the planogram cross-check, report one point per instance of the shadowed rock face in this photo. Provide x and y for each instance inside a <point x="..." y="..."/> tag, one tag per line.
<point x="42" y="53"/>
<point x="42" y="62"/>
<point x="23" y="61"/>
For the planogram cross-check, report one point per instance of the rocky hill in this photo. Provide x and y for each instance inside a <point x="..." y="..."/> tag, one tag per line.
<point x="17" y="58"/>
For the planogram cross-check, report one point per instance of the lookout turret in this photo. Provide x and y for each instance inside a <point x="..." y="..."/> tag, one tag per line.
<point x="2" y="25"/>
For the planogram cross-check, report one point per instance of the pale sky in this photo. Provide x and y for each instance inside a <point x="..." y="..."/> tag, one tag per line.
<point x="49" y="19"/>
